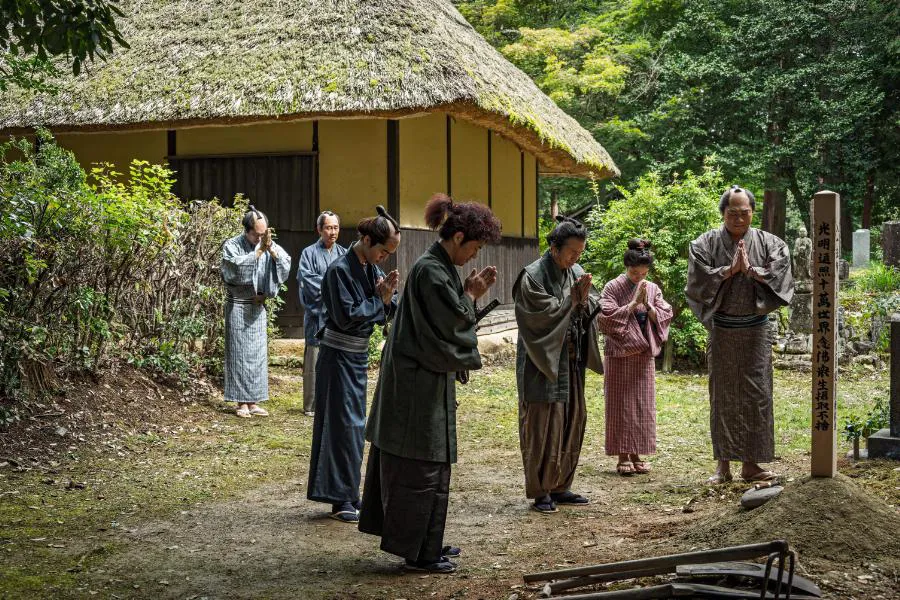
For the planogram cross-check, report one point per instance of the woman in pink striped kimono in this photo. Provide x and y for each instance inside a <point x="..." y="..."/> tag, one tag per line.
<point x="635" y="320"/>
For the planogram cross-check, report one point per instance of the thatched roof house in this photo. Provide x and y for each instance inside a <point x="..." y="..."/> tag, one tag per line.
<point x="386" y="100"/>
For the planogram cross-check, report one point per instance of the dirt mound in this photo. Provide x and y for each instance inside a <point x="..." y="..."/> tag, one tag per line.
<point x="101" y="413"/>
<point x="831" y="519"/>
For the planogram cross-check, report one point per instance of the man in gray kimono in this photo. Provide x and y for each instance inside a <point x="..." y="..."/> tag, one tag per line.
<point x="253" y="269"/>
<point x="557" y="340"/>
<point x="314" y="260"/>
<point x="737" y="275"/>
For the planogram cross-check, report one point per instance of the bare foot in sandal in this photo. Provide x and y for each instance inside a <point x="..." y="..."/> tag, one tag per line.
<point x="722" y="474"/>
<point x="624" y="468"/>
<point x="641" y="467"/>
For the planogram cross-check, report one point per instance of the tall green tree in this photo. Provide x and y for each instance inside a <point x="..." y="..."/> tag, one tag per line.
<point x="34" y="32"/>
<point x="789" y="95"/>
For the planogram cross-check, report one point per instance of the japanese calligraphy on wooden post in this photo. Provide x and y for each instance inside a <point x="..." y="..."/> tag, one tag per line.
<point x="826" y="244"/>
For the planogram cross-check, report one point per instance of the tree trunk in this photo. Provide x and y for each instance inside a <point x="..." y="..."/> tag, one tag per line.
<point x="846" y="229"/>
<point x="774" y="212"/>
<point x="554" y="204"/>
<point x="856" y="448"/>
<point x="867" y="200"/>
<point x="668" y="356"/>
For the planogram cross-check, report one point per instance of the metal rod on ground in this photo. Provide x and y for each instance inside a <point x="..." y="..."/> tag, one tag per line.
<point x="568" y="584"/>
<point x="668" y="563"/>
<point x="649" y="593"/>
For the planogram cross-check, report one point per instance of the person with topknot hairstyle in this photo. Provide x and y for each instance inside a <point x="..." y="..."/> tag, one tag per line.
<point x="557" y="341"/>
<point x="635" y="319"/>
<point x="737" y="275"/>
<point x="412" y="424"/>
<point x="357" y="296"/>
<point x="253" y="269"/>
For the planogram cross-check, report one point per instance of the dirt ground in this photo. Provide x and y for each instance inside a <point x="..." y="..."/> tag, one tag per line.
<point x="261" y="538"/>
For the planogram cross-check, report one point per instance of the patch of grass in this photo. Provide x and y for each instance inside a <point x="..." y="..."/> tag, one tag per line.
<point x="222" y="457"/>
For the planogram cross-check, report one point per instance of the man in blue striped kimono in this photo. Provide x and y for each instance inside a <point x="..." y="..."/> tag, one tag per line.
<point x="314" y="261"/>
<point x="253" y="269"/>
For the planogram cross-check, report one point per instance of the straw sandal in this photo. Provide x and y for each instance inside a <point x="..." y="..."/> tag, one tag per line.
<point x="625" y="468"/>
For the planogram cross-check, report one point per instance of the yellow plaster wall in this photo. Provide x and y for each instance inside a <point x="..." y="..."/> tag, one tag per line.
<point x="116" y="148"/>
<point x="289" y="136"/>
<point x="352" y="167"/>
<point x="468" y="169"/>
<point x="423" y="165"/>
<point x="530" y="195"/>
<point x="506" y="184"/>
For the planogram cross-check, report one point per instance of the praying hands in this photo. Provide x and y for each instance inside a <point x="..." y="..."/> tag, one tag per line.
<point x="386" y="286"/>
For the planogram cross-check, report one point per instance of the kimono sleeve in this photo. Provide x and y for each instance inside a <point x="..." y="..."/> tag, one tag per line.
<point x="775" y="283"/>
<point x="543" y="320"/>
<point x="342" y="305"/>
<point x="238" y="267"/>
<point x="704" y="281"/>
<point x="309" y="280"/>
<point x="282" y="264"/>
<point x="659" y="331"/>
<point x="451" y="326"/>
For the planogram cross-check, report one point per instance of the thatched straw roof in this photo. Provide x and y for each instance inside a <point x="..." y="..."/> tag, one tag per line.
<point x="195" y="62"/>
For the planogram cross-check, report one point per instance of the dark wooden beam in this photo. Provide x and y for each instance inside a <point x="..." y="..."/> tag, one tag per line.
<point x="449" y="157"/>
<point x="522" y="187"/>
<point x="393" y="168"/>
<point x="490" y="193"/>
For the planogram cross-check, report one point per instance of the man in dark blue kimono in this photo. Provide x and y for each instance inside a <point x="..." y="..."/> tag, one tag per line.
<point x="357" y="295"/>
<point x="314" y="261"/>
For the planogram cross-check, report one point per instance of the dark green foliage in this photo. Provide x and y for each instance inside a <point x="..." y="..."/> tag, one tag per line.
<point x="33" y="32"/>
<point x="788" y="95"/>
<point x="97" y="268"/>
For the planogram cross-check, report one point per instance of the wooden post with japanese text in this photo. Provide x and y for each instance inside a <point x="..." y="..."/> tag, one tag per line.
<point x="826" y="245"/>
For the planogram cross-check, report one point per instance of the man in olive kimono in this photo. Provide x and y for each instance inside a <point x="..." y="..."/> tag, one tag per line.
<point x="253" y="269"/>
<point x="557" y="340"/>
<point x="737" y="275"/>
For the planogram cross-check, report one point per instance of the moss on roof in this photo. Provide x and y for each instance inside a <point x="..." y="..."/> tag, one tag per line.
<point x="212" y="61"/>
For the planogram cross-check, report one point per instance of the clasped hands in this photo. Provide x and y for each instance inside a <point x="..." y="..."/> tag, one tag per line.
<point x="478" y="283"/>
<point x="265" y="244"/>
<point x="581" y="290"/>
<point x="741" y="262"/>
<point x="387" y="285"/>
<point x="639" y="301"/>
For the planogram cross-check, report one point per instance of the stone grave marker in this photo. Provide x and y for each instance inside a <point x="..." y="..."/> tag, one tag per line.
<point x="886" y="443"/>
<point x="861" y="247"/>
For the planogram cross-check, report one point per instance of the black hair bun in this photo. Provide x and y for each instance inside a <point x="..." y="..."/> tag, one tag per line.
<point x="565" y="219"/>
<point x="381" y="211"/>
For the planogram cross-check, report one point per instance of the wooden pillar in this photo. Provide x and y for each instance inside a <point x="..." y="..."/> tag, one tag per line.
<point x="826" y="216"/>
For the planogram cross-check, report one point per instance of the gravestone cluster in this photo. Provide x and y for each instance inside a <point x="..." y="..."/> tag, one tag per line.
<point x="793" y="337"/>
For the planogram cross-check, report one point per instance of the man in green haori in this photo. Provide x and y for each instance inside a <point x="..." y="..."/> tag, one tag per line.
<point x="412" y="424"/>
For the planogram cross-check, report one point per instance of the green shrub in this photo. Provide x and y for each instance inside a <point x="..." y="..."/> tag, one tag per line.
<point x="878" y="278"/>
<point x="102" y="267"/>
<point x="670" y="216"/>
<point x="375" y="341"/>
<point x="869" y="300"/>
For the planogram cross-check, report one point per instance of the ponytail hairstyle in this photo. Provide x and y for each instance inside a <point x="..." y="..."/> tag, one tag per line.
<point x="474" y="220"/>
<point x="251" y="217"/>
<point x="638" y="253"/>
<point x="379" y="228"/>
<point x="566" y="227"/>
